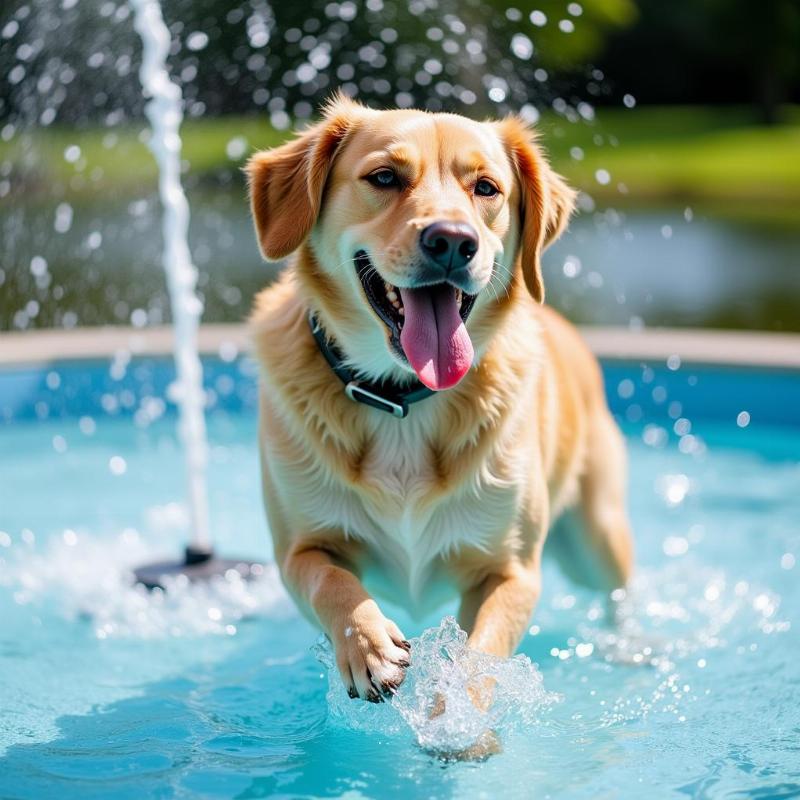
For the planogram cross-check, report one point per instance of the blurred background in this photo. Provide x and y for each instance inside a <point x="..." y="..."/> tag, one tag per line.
<point x="677" y="121"/>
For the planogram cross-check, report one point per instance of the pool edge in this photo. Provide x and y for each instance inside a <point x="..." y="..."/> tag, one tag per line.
<point x="696" y="346"/>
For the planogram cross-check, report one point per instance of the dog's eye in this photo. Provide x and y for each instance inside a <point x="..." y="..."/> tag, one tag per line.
<point x="383" y="178"/>
<point x="484" y="188"/>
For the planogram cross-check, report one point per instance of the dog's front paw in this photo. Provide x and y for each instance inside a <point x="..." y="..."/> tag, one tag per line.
<point x="486" y="745"/>
<point x="371" y="653"/>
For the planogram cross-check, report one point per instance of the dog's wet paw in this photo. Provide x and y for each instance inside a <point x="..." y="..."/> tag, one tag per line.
<point x="371" y="653"/>
<point x="487" y="744"/>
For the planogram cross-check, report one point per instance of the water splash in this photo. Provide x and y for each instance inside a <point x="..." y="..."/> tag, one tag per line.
<point x="82" y="577"/>
<point x="663" y="619"/>
<point x="443" y="667"/>
<point x="666" y="630"/>
<point x="164" y="110"/>
<point x="666" y="627"/>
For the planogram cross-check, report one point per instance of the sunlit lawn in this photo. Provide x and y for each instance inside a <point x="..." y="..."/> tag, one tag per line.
<point x="714" y="157"/>
<point x="661" y="155"/>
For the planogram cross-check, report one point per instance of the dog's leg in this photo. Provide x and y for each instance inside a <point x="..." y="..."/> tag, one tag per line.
<point x="496" y="613"/>
<point x="371" y="652"/>
<point x="592" y="540"/>
<point x="607" y="533"/>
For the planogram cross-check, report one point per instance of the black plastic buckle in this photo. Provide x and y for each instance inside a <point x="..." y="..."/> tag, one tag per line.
<point x="359" y="394"/>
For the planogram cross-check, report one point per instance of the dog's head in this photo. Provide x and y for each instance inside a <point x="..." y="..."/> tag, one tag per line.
<point x="413" y="225"/>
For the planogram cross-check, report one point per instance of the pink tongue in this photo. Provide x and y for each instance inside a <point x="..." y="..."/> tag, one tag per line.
<point x="434" y="338"/>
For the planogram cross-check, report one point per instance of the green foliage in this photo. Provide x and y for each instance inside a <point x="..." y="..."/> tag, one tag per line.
<point x="700" y="51"/>
<point x="557" y="49"/>
<point x="687" y="154"/>
<point x="662" y="155"/>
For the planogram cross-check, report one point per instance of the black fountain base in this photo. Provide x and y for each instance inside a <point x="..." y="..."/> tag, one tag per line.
<point x="199" y="564"/>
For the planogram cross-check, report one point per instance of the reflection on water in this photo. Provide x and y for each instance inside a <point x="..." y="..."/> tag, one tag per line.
<point x="98" y="263"/>
<point x="676" y="267"/>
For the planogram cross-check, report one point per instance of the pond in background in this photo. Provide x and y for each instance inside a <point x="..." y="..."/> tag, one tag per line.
<point x="99" y="263"/>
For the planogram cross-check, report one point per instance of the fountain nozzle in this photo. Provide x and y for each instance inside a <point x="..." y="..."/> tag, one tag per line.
<point x="199" y="564"/>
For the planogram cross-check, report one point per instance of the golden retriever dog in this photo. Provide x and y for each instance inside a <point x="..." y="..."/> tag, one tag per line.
<point x="424" y="419"/>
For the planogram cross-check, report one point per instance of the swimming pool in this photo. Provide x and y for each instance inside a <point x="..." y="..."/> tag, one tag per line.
<point x="107" y="691"/>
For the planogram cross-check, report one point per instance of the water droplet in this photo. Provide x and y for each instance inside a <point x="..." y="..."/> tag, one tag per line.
<point x="538" y="18"/>
<point x="682" y="426"/>
<point x="626" y="388"/>
<point x="117" y="465"/>
<point x="603" y="177"/>
<point x="63" y="219"/>
<point x="236" y="148"/>
<point x="196" y="40"/>
<point x="743" y="419"/>
<point x="675" y="546"/>
<point x="521" y="46"/>
<point x="673" y="488"/>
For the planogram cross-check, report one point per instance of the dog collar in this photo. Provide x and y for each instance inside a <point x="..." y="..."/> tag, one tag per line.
<point x="385" y="396"/>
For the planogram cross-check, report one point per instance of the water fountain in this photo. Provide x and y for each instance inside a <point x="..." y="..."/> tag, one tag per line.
<point x="164" y="111"/>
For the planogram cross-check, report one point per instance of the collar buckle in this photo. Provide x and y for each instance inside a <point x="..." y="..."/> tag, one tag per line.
<point x="357" y="393"/>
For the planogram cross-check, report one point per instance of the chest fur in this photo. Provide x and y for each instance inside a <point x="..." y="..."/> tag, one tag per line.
<point x="411" y="504"/>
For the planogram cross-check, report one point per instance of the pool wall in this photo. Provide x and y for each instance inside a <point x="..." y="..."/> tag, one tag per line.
<point x="651" y="376"/>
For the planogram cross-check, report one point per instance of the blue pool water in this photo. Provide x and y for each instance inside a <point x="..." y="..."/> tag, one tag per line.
<point x="218" y="691"/>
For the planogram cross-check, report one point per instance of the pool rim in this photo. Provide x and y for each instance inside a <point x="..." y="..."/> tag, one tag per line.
<point x="759" y="349"/>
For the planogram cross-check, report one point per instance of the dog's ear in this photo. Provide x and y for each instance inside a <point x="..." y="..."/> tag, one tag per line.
<point x="546" y="202"/>
<point x="286" y="183"/>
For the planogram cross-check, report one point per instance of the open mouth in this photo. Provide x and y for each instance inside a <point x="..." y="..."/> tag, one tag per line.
<point x="426" y="324"/>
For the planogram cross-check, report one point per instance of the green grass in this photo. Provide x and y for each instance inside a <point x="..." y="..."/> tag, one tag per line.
<point x="686" y="155"/>
<point x="702" y="156"/>
<point x="120" y="157"/>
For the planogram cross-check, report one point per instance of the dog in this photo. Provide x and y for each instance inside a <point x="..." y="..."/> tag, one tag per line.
<point x="425" y="421"/>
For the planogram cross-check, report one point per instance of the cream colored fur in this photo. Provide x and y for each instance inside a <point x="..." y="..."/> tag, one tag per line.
<point x="459" y="497"/>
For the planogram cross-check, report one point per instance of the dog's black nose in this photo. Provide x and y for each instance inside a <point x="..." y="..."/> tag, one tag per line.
<point x="450" y="245"/>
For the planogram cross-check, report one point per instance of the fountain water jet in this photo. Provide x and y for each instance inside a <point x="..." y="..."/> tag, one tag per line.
<point x="165" y="114"/>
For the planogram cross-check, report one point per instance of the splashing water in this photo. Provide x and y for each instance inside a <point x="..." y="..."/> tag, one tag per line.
<point x="659" y="626"/>
<point x="165" y="115"/>
<point x="661" y="619"/>
<point x="89" y="578"/>
<point x="444" y="667"/>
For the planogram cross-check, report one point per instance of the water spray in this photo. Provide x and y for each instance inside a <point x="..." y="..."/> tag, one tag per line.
<point x="165" y="114"/>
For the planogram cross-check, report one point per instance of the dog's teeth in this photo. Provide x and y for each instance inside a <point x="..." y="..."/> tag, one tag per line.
<point x="392" y="295"/>
<point x="401" y="311"/>
<point x="387" y="286"/>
